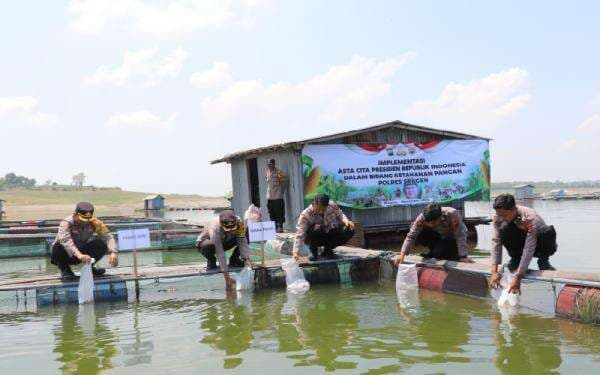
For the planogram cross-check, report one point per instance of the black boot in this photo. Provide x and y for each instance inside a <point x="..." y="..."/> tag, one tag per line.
<point x="329" y="254"/>
<point x="513" y="264"/>
<point x="544" y="264"/>
<point x="66" y="274"/>
<point x="314" y="254"/>
<point x="235" y="260"/>
<point x="211" y="263"/>
<point x="98" y="271"/>
<point x="279" y="227"/>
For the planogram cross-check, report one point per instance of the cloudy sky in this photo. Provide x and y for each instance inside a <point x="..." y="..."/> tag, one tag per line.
<point x="142" y="94"/>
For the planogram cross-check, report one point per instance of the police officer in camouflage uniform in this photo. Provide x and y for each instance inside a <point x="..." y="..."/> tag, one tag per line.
<point x="223" y="233"/>
<point x="442" y="230"/>
<point x="81" y="237"/>
<point x="524" y="234"/>
<point x="276" y="186"/>
<point x="322" y="224"/>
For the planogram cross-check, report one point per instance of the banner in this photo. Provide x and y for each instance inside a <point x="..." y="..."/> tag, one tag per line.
<point x="382" y="175"/>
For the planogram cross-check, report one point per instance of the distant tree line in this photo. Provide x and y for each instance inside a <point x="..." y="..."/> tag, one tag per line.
<point x="12" y="180"/>
<point x="548" y="184"/>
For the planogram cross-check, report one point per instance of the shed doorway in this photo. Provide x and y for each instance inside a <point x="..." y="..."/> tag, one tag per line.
<point x="253" y="183"/>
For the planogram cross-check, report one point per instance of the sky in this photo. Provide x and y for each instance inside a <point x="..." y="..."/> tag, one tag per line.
<point x="143" y="94"/>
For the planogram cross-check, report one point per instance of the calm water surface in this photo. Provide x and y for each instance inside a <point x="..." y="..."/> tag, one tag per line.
<point x="576" y="224"/>
<point x="192" y="326"/>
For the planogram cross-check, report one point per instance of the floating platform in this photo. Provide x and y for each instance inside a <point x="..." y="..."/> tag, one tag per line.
<point x="34" y="239"/>
<point x="353" y="265"/>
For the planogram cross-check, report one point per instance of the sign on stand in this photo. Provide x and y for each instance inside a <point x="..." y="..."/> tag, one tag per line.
<point x="133" y="239"/>
<point x="261" y="232"/>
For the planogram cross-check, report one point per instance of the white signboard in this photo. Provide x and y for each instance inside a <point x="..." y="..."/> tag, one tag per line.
<point x="262" y="231"/>
<point x="130" y="239"/>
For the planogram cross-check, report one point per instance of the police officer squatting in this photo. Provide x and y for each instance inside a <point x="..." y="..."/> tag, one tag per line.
<point x="82" y="237"/>
<point x="322" y="224"/>
<point x="525" y="236"/>
<point x="225" y="232"/>
<point x="441" y="230"/>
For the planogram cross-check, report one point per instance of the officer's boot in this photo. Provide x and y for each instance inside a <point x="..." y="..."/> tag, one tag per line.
<point x="211" y="260"/>
<point x="314" y="254"/>
<point x="235" y="260"/>
<point x="66" y="273"/>
<point x="544" y="264"/>
<point x="513" y="264"/>
<point x="328" y="253"/>
<point x="98" y="271"/>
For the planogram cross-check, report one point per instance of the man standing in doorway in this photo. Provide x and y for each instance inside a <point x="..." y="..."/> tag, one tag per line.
<point x="276" y="185"/>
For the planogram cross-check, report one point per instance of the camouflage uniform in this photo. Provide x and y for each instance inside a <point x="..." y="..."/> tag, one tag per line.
<point x="214" y="241"/>
<point x="276" y="185"/>
<point x="76" y="237"/>
<point x="333" y="227"/>
<point x="526" y="237"/>
<point x="447" y="240"/>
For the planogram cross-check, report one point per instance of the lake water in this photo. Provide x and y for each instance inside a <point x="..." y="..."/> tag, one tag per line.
<point x="576" y="224"/>
<point x="194" y="327"/>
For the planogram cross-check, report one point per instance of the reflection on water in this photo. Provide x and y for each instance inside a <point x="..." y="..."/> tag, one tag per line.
<point x="361" y="329"/>
<point x="83" y="341"/>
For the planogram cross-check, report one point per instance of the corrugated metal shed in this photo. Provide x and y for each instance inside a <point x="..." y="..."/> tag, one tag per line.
<point x="524" y="191"/>
<point x="288" y="158"/>
<point x="154" y="202"/>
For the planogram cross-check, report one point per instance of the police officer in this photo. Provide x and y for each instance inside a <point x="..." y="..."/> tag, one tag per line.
<point x="276" y="185"/>
<point x="322" y="224"/>
<point x="524" y="234"/>
<point x="81" y="237"/>
<point x="442" y="230"/>
<point x="223" y="233"/>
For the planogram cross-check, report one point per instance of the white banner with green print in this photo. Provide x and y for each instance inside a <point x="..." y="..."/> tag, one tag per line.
<point x="366" y="176"/>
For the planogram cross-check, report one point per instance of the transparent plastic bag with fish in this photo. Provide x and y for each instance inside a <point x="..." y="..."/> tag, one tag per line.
<point x="294" y="276"/>
<point x="85" y="291"/>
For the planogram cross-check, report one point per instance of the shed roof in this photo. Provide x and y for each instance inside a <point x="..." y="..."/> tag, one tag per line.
<point x="392" y="124"/>
<point x="522" y="186"/>
<point x="153" y="196"/>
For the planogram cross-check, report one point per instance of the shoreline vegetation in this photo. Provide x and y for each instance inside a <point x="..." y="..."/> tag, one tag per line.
<point x="57" y="201"/>
<point x="54" y="202"/>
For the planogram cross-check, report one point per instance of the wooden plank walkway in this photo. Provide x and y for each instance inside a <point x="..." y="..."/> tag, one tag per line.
<point x="162" y="272"/>
<point x="346" y="254"/>
<point x="53" y="235"/>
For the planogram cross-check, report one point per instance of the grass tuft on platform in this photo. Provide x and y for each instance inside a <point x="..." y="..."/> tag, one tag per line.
<point x="588" y="308"/>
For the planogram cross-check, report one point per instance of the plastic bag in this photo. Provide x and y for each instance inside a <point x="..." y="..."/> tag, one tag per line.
<point x="407" y="278"/>
<point x="252" y="214"/>
<point x="294" y="276"/>
<point x="245" y="279"/>
<point x="502" y="295"/>
<point x="85" y="291"/>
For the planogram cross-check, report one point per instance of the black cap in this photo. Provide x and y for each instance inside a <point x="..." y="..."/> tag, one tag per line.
<point x="504" y="201"/>
<point x="322" y="199"/>
<point x="271" y="161"/>
<point x="84" y="208"/>
<point x="432" y="212"/>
